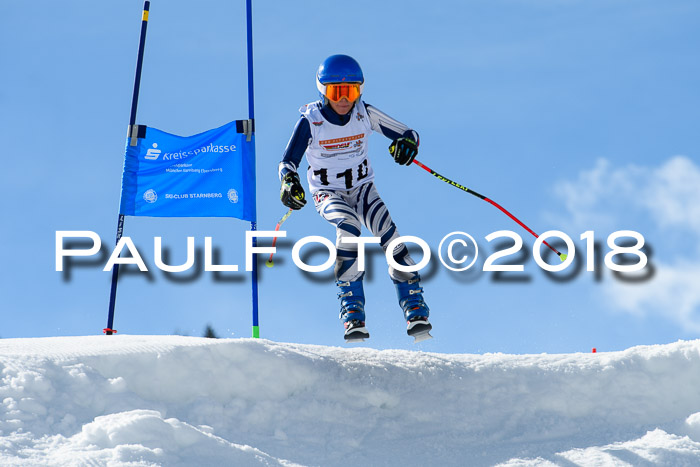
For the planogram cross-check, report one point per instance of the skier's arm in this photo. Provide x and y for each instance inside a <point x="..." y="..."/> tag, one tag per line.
<point x="405" y="141"/>
<point x="296" y="147"/>
<point x="389" y="127"/>
<point x="292" y="193"/>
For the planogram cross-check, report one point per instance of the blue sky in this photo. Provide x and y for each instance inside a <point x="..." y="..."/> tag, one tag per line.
<point x="573" y="115"/>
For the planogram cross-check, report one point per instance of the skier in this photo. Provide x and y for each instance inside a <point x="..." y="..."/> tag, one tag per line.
<point x="334" y="134"/>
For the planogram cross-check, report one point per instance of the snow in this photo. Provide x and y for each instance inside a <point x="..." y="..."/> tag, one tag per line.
<point x="183" y="401"/>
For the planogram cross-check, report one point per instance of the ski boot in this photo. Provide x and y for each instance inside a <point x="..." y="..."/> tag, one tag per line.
<point x="415" y="311"/>
<point x="352" y="310"/>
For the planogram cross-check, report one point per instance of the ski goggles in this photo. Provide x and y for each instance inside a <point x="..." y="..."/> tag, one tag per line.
<point x="336" y="91"/>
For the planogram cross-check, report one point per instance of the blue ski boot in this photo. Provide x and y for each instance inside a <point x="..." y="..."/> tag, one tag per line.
<point x="352" y="310"/>
<point x="415" y="311"/>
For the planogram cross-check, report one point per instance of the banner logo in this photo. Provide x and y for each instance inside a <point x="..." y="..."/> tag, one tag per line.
<point x="233" y="195"/>
<point x="150" y="196"/>
<point x="152" y="154"/>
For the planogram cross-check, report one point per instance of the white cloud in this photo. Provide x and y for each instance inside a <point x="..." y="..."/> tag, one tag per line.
<point x="669" y="197"/>
<point x="670" y="193"/>
<point x="673" y="292"/>
<point x="673" y="194"/>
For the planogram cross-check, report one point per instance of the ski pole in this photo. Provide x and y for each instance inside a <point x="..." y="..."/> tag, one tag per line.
<point x="269" y="262"/>
<point x="562" y="256"/>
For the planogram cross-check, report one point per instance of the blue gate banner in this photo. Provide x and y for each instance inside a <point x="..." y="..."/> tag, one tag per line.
<point x="211" y="174"/>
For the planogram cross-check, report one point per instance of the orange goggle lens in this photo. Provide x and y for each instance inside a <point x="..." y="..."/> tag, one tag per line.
<point x="336" y="91"/>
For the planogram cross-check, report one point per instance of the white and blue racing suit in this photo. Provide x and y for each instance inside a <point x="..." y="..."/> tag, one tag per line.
<point x="341" y="178"/>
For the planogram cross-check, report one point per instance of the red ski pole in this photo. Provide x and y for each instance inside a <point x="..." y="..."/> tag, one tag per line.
<point x="269" y="262"/>
<point x="562" y="256"/>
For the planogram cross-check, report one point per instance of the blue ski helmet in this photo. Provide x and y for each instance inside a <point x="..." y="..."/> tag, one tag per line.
<point x="338" y="69"/>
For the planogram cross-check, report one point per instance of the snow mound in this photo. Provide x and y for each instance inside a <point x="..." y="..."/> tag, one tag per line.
<point x="171" y="400"/>
<point x="136" y="438"/>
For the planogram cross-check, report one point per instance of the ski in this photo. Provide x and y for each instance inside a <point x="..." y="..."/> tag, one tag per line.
<point x="419" y="328"/>
<point x="353" y="340"/>
<point x="356" y="331"/>
<point x="421" y="336"/>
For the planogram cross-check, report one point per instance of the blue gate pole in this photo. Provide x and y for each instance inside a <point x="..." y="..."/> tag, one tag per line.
<point x="251" y="116"/>
<point x="109" y="330"/>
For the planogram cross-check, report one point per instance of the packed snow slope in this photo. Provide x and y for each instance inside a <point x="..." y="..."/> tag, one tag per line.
<point x="183" y="401"/>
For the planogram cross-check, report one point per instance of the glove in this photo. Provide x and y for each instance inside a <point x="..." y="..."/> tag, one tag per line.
<point x="404" y="150"/>
<point x="292" y="193"/>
